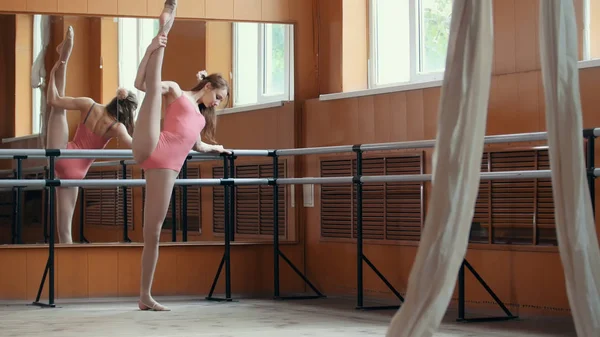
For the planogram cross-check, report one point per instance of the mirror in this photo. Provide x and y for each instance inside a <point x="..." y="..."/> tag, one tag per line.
<point x="255" y="58"/>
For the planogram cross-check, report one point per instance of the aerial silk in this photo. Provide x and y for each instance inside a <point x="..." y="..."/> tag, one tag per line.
<point x="457" y="156"/>
<point x="456" y="170"/>
<point x="575" y="227"/>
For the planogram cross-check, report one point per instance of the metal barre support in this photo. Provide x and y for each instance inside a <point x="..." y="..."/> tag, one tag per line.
<point x="124" y="191"/>
<point x="225" y="260"/>
<point x="277" y="253"/>
<point x="360" y="256"/>
<point x="49" y="268"/>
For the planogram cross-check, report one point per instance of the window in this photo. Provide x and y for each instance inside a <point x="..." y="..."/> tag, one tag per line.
<point x="134" y="37"/>
<point x="409" y="40"/>
<point x="262" y="63"/>
<point x="40" y="40"/>
<point x="591" y="30"/>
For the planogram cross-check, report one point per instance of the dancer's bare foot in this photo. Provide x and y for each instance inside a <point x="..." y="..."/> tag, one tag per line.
<point x="154" y="307"/>
<point x="66" y="46"/>
<point x="167" y="17"/>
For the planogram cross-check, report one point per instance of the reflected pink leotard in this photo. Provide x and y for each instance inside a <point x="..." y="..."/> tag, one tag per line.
<point x="84" y="139"/>
<point x="181" y="128"/>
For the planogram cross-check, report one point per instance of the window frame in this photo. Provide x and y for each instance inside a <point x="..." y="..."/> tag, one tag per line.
<point x="262" y="98"/>
<point x="416" y="55"/>
<point x="142" y="44"/>
<point x="37" y="93"/>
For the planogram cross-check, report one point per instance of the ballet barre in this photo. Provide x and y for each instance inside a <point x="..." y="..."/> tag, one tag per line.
<point x="229" y="182"/>
<point x="105" y="154"/>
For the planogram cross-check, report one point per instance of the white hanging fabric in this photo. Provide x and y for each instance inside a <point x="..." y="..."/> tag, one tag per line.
<point x="456" y="171"/>
<point x="575" y="227"/>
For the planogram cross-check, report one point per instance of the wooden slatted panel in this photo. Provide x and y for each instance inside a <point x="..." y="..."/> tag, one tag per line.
<point x="253" y="204"/>
<point x="194" y="209"/>
<point x="266" y="202"/>
<point x="546" y="232"/>
<point x="480" y="227"/>
<point x="373" y="200"/>
<point x="336" y="200"/>
<point x="33" y="203"/>
<point x="119" y="210"/>
<point x="218" y="200"/>
<point x="247" y="202"/>
<point x="6" y="207"/>
<point x="100" y="203"/>
<point x="513" y="201"/>
<point x="404" y="200"/>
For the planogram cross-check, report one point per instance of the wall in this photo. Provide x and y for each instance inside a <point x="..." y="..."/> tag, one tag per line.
<point x="531" y="278"/>
<point x="528" y="277"/>
<point x="113" y="271"/>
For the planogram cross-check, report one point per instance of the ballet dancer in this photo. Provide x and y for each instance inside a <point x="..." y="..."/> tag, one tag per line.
<point x="189" y="118"/>
<point x="99" y="124"/>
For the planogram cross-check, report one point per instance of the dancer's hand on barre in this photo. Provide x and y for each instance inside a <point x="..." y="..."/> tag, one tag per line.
<point x="218" y="149"/>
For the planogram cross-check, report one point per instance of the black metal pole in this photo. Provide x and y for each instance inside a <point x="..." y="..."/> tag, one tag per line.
<point x="227" y="228"/>
<point x="359" y="222"/>
<point x="184" y="204"/>
<point x="125" y="209"/>
<point x="174" y="214"/>
<point x="232" y="198"/>
<point x="51" y="215"/>
<point x="275" y="225"/>
<point x="46" y="201"/>
<point x="591" y="157"/>
<point x="82" y="238"/>
<point x="17" y="206"/>
<point x="461" y="292"/>
<point x="15" y="201"/>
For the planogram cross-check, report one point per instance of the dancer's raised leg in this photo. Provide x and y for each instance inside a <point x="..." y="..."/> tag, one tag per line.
<point x="167" y="17"/>
<point x="58" y="128"/>
<point x="58" y="136"/>
<point x="147" y="127"/>
<point x="159" y="185"/>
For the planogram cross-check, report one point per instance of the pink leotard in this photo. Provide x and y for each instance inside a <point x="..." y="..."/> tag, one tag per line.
<point x="181" y="128"/>
<point x="84" y="139"/>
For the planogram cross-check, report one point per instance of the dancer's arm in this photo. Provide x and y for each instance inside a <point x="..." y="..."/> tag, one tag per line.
<point x="65" y="102"/>
<point x="201" y="146"/>
<point x="123" y="135"/>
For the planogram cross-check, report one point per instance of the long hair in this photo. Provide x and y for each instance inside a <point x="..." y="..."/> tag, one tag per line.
<point x="217" y="82"/>
<point x="122" y="107"/>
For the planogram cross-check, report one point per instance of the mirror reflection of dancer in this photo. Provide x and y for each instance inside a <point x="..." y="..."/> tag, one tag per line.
<point x="98" y="125"/>
<point x="189" y="116"/>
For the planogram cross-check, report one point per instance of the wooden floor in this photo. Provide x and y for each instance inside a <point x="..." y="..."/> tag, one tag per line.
<point x="246" y="318"/>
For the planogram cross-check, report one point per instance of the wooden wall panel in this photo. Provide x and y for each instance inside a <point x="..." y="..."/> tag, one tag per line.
<point x="13" y="6"/>
<point x="187" y="9"/>
<point x="73" y="6"/>
<point x="219" y="9"/>
<point x="85" y="271"/>
<point x="105" y="7"/>
<point x="527" y="50"/>
<point x="504" y="37"/>
<point x="7" y="75"/>
<point x="42" y="6"/>
<point x="186" y="53"/>
<point x="250" y="10"/>
<point x="132" y="7"/>
<point x="275" y="10"/>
